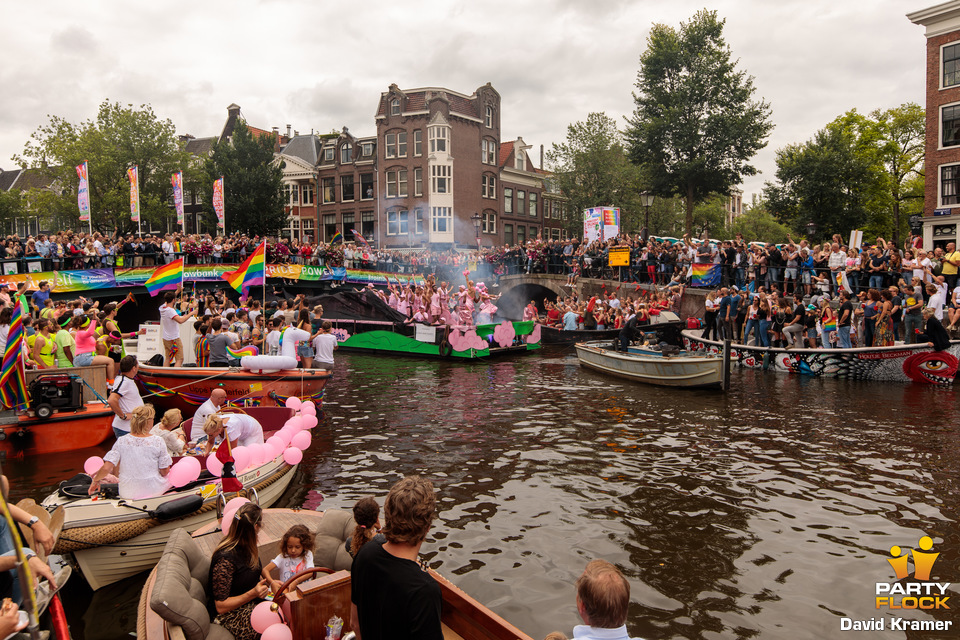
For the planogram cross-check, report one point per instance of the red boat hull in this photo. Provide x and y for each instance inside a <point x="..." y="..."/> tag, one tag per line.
<point x="63" y="431"/>
<point x="187" y="388"/>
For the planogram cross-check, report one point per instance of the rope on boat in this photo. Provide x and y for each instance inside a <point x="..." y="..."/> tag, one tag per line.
<point x="110" y="534"/>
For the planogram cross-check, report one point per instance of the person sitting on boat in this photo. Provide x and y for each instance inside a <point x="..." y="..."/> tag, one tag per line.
<point x="296" y="556"/>
<point x="235" y="573"/>
<point x="43" y="348"/>
<point x="84" y="335"/>
<point x="10" y="584"/>
<point x="216" y="400"/>
<point x="366" y="513"/>
<point x="169" y="430"/>
<point x="146" y="462"/>
<point x="392" y="597"/>
<point x="603" y="595"/>
<point x="934" y="334"/>
<point x="241" y="429"/>
<point x="124" y="396"/>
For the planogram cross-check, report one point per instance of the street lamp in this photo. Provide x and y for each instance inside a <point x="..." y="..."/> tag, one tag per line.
<point x="646" y="200"/>
<point x="811" y="229"/>
<point x="476" y="225"/>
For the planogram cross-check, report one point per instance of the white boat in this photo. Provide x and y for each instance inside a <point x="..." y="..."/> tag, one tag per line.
<point x="662" y="369"/>
<point x="113" y="539"/>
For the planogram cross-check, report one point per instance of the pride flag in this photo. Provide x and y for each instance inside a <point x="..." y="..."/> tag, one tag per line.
<point x="177" y="181"/>
<point x="705" y="275"/>
<point x="251" y="273"/>
<point x="83" y="192"/>
<point x="218" y="201"/>
<point x="337" y="237"/>
<point x="169" y="276"/>
<point x="133" y="175"/>
<point x="361" y="239"/>
<point x="13" y="384"/>
<point x="830" y="325"/>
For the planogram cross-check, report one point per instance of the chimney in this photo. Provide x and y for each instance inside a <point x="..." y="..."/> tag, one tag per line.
<point x="276" y="131"/>
<point x="288" y="131"/>
<point x="541" y="157"/>
<point x="296" y="133"/>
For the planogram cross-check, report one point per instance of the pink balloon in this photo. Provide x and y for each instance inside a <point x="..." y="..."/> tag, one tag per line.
<point x="292" y="456"/>
<point x="309" y="422"/>
<point x="229" y="510"/>
<point x="277" y="442"/>
<point x="293" y="402"/>
<point x="193" y="465"/>
<point x="273" y="450"/>
<point x="284" y="435"/>
<point x="92" y="465"/>
<point x="184" y="472"/>
<point x="308" y="408"/>
<point x="294" y="424"/>
<point x="241" y="459"/>
<point x="301" y="441"/>
<point x="214" y="465"/>
<point x="262" y="617"/>
<point x="255" y="456"/>
<point x="277" y="632"/>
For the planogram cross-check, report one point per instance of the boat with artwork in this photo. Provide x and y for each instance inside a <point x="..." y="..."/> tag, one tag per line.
<point x="171" y="605"/>
<point x="665" y="369"/>
<point x="363" y="322"/>
<point x="110" y="539"/>
<point x="899" y="363"/>
<point x="666" y="325"/>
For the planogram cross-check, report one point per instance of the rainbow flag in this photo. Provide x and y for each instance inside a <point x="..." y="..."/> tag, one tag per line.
<point x="13" y="384"/>
<point x="830" y="325"/>
<point x="705" y="275"/>
<point x="611" y="217"/>
<point x="251" y="273"/>
<point x="249" y="350"/>
<point x="361" y="239"/>
<point x="337" y="237"/>
<point x="169" y="276"/>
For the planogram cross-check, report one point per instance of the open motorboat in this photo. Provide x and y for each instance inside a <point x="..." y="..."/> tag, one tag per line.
<point x="668" y="368"/>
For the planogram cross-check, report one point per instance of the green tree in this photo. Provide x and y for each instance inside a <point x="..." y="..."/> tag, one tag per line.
<point x="252" y="183"/>
<point x="696" y="124"/>
<point x="901" y="148"/>
<point x="757" y="224"/>
<point x="11" y="207"/>
<point x="591" y="169"/>
<point x="119" y="137"/>
<point x="709" y="216"/>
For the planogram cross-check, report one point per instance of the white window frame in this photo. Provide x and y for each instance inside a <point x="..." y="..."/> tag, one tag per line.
<point x="489" y="222"/>
<point x="328" y="154"/>
<point x="352" y="177"/>
<point x="941" y="65"/>
<point x="418" y="142"/>
<point x="439" y="137"/>
<point x="508" y="200"/>
<point x="940" y="109"/>
<point x="940" y="168"/>
<point x="521" y="160"/>
<point x="441" y="215"/>
<point x="323" y="190"/>
<point x="395" y="107"/>
<point x="441" y="178"/>
<point x="532" y="204"/>
<point x="346" y="148"/>
<point x="373" y="181"/>
<point x="367" y="148"/>
<point x="488" y="152"/>
<point x="397" y="183"/>
<point x="418" y="221"/>
<point x="488" y="117"/>
<point x="390" y="146"/>
<point x="418" y="181"/>
<point x="306" y="194"/>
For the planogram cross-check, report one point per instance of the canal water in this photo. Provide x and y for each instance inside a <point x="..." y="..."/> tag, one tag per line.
<point x="766" y="512"/>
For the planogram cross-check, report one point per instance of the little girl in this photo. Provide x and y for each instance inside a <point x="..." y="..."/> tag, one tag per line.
<point x="366" y="513"/>
<point x="296" y="555"/>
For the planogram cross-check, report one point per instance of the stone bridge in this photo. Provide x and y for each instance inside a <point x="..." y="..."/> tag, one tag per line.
<point x="518" y="290"/>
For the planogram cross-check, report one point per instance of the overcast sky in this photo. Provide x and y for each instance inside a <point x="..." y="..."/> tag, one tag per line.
<point x="322" y="65"/>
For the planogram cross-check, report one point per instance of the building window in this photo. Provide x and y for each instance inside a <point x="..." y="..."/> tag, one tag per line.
<point x="521" y="203"/>
<point x="348" y="188"/>
<point x="391" y="144"/>
<point x="521" y="234"/>
<point x="397" y="223"/>
<point x="441" y="180"/>
<point x="521" y="160"/>
<point x="395" y="107"/>
<point x="532" y="203"/>
<point x="367" y="225"/>
<point x="402" y="144"/>
<point x="488" y="187"/>
<point x="291" y="194"/>
<point x="488" y="151"/>
<point x="488" y="117"/>
<point x="418" y="181"/>
<point x="508" y="234"/>
<point x="366" y="186"/>
<point x="418" y="142"/>
<point x="951" y="65"/>
<point x="328" y="154"/>
<point x="367" y="149"/>
<point x="397" y="183"/>
<point x="329" y="190"/>
<point x="348" y="226"/>
<point x="950" y="184"/>
<point x="329" y="226"/>
<point x="950" y="125"/>
<point x="346" y="153"/>
<point x="508" y="200"/>
<point x="418" y="221"/>
<point x="441" y="218"/>
<point x="489" y="222"/>
<point x="306" y="194"/>
<point x="438" y="139"/>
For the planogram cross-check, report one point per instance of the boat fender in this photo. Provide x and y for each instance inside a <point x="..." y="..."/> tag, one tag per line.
<point x="268" y="363"/>
<point x="177" y="508"/>
<point x="445" y="348"/>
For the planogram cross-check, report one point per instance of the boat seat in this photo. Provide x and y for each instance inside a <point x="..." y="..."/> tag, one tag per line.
<point x="330" y="546"/>
<point x="180" y="589"/>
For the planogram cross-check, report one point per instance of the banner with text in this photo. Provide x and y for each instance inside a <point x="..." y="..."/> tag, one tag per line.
<point x="177" y="181"/>
<point x="132" y="173"/>
<point x="218" y="201"/>
<point x="83" y="193"/>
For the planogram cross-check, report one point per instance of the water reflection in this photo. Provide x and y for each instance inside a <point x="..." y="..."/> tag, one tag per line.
<point x="766" y="512"/>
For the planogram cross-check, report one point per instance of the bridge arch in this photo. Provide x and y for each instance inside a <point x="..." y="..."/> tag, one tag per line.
<point x="516" y="291"/>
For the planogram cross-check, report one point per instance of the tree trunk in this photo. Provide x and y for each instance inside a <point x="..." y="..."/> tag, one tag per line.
<point x="689" y="202"/>
<point x="896" y="222"/>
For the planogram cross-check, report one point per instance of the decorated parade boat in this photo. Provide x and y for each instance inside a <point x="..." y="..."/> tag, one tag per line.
<point x="665" y="369"/>
<point x="363" y="322"/>
<point x="111" y="538"/>
<point x="899" y="363"/>
<point x="169" y="610"/>
<point x="666" y="325"/>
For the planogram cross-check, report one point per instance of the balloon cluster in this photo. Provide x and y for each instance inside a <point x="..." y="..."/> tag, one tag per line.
<point x="268" y="623"/>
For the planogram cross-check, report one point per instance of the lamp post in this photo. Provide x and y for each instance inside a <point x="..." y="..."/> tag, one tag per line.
<point x="811" y="228"/>
<point x="646" y="200"/>
<point x="476" y="225"/>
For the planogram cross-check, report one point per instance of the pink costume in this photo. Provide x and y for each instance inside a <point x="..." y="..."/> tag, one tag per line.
<point x="394" y="302"/>
<point x="435" y="308"/>
<point x="529" y="314"/>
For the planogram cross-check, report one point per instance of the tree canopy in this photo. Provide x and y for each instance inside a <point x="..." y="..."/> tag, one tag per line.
<point x="119" y="137"/>
<point x="252" y="183"/>
<point x="696" y="124"/>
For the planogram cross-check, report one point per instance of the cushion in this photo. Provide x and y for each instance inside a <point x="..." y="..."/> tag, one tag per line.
<point x="178" y="597"/>
<point x="336" y="527"/>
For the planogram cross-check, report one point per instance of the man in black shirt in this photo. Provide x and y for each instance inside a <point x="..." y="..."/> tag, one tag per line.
<point x="392" y="596"/>
<point x="844" y="318"/>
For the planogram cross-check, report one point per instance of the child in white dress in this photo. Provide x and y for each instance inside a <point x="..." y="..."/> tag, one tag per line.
<point x="296" y="555"/>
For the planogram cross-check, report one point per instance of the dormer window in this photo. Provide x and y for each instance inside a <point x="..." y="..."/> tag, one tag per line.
<point x="346" y="153"/>
<point x="488" y="117"/>
<point x="521" y="160"/>
<point x="395" y="107"/>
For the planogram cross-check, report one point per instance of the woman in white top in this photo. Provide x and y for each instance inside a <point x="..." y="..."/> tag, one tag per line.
<point x="169" y="430"/>
<point x="239" y="428"/>
<point x="146" y="462"/>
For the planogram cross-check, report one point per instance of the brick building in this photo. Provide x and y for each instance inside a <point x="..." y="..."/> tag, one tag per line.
<point x="522" y="189"/>
<point x="347" y="179"/>
<point x="941" y="208"/>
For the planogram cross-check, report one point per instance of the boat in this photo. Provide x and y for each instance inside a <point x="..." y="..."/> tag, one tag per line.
<point x="308" y="606"/>
<point x="666" y="325"/>
<point x="900" y="363"/>
<point x="663" y="369"/>
<point x="30" y="434"/>
<point x="110" y="538"/>
<point x="188" y="387"/>
<point x="363" y="322"/>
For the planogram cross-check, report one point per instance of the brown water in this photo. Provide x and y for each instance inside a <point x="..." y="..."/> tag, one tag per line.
<point x="766" y="512"/>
